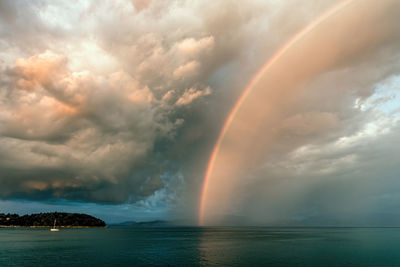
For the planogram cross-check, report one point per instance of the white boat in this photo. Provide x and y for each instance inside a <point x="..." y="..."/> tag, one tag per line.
<point x="54" y="229"/>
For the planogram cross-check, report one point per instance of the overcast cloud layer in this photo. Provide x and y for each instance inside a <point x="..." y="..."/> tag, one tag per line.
<point x="120" y="103"/>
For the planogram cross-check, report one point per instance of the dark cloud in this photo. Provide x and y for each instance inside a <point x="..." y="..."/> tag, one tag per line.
<point x="121" y="102"/>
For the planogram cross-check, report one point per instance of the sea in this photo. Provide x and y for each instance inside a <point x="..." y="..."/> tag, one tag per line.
<point x="200" y="246"/>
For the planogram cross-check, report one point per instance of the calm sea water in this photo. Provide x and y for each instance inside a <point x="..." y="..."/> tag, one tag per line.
<point x="194" y="246"/>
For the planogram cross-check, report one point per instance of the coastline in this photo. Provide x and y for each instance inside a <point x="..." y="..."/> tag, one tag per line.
<point x="48" y="226"/>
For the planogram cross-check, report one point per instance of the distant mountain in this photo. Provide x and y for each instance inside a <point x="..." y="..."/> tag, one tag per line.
<point x="148" y="223"/>
<point x="47" y="220"/>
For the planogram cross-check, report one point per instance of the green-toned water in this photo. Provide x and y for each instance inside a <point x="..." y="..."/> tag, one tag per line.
<point x="193" y="246"/>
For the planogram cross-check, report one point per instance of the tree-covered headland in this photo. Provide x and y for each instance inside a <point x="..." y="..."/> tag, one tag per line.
<point x="63" y="219"/>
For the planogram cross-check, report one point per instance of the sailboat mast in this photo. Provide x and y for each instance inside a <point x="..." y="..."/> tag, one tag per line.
<point x="54" y="229"/>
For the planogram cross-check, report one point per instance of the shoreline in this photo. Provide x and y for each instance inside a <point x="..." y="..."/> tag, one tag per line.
<point x="47" y="226"/>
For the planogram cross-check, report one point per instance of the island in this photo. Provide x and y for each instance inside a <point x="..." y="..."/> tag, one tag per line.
<point x="63" y="220"/>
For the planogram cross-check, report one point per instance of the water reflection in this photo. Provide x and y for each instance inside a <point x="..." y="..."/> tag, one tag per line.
<point x="298" y="247"/>
<point x="204" y="246"/>
<point x="243" y="245"/>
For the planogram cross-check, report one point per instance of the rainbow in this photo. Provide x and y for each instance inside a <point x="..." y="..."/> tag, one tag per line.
<point x="309" y="28"/>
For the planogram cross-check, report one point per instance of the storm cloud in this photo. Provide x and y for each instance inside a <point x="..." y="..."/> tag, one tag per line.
<point x="121" y="102"/>
<point x="89" y="109"/>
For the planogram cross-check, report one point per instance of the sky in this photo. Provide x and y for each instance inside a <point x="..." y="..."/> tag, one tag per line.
<point x="114" y="108"/>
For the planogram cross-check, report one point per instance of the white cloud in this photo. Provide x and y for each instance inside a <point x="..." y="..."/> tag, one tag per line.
<point x="191" y="48"/>
<point x="187" y="70"/>
<point x="191" y="94"/>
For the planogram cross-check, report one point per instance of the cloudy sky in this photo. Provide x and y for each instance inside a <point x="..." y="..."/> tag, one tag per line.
<point x="113" y="108"/>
